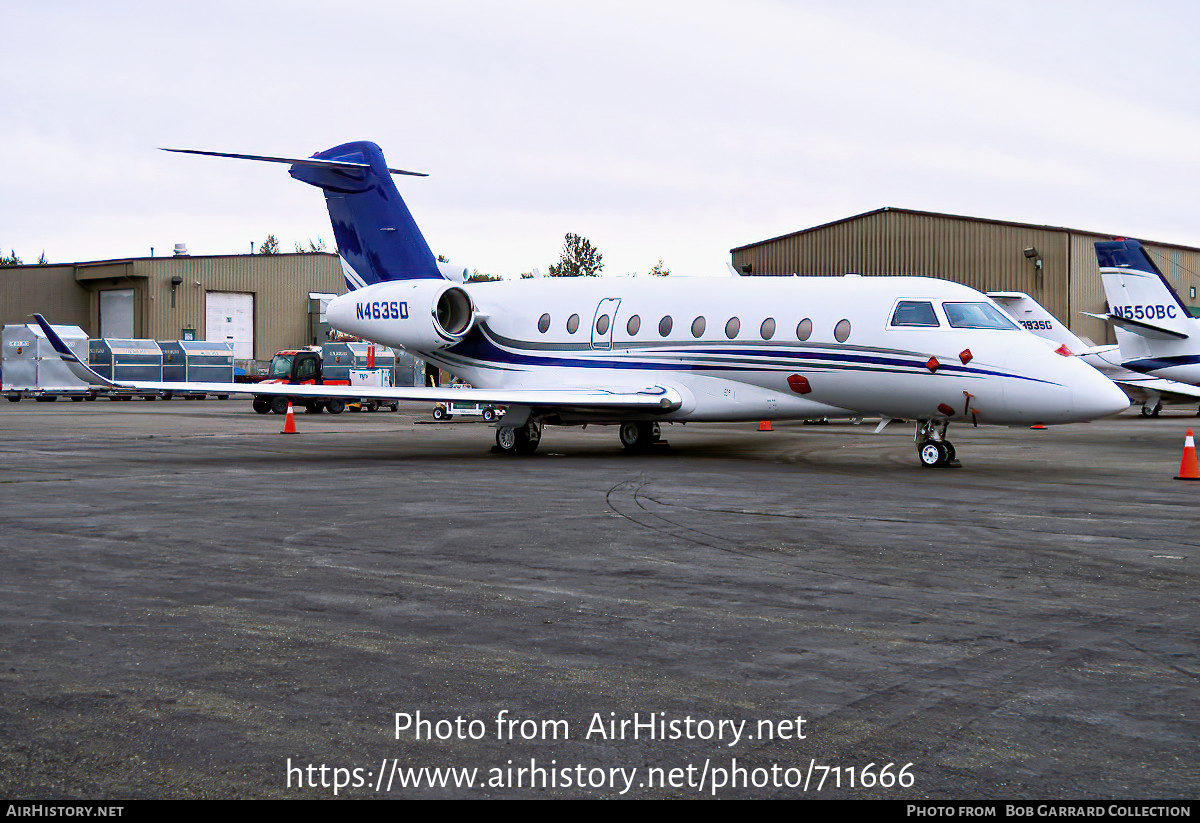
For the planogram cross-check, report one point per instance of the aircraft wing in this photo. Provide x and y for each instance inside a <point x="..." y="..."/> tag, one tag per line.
<point x="1160" y="386"/>
<point x="652" y="398"/>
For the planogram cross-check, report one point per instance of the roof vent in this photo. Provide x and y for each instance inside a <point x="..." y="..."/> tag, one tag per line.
<point x="181" y="250"/>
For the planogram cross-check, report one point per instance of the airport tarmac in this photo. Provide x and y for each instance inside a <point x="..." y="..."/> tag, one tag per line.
<point x="192" y="602"/>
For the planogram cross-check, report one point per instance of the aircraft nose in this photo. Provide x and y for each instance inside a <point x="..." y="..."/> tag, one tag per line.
<point x="1096" y="396"/>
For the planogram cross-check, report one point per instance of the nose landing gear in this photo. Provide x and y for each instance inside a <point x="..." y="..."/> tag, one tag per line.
<point x="933" y="449"/>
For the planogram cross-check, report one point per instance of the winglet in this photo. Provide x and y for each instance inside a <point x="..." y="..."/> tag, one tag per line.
<point x="78" y="368"/>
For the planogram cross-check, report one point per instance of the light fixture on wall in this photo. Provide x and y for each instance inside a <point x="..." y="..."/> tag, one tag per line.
<point x="175" y="281"/>
<point x="1031" y="253"/>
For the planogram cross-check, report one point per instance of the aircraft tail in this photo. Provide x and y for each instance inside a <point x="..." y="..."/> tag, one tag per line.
<point x="1031" y="315"/>
<point x="376" y="236"/>
<point x="1140" y="299"/>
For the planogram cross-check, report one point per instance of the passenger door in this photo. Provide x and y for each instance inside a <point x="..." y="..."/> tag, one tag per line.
<point x="604" y="322"/>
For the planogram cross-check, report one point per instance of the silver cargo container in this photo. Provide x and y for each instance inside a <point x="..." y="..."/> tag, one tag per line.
<point x="30" y="367"/>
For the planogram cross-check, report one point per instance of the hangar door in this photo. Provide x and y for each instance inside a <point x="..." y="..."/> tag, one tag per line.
<point x="116" y="313"/>
<point x="229" y="318"/>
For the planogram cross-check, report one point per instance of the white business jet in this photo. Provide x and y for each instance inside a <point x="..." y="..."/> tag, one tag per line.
<point x="1151" y="392"/>
<point x="641" y="352"/>
<point x="1156" y="334"/>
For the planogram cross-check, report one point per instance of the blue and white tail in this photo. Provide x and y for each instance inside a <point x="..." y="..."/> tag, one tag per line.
<point x="376" y="236"/>
<point x="1140" y="299"/>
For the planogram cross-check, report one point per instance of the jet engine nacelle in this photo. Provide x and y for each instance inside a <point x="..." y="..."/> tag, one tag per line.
<point x="421" y="315"/>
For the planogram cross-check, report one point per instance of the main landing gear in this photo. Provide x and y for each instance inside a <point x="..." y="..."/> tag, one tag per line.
<point x="519" y="439"/>
<point x="639" y="437"/>
<point x="933" y="449"/>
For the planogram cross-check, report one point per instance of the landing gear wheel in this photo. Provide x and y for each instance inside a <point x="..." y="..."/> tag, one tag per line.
<point x="279" y="405"/>
<point x="519" y="439"/>
<point x="1151" y="411"/>
<point x="335" y="406"/>
<point x="639" y="437"/>
<point x="506" y="439"/>
<point x="933" y="455"/>
<point x="261" y="405"/>
<point x="937" y="454"/>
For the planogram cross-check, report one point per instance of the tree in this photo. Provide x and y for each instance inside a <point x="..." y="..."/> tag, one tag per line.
<point x="579" y="258"/>
<point x="659" y="269"/>
<point x="42" y="261"/>
<point x="313" y="247"/>
<point x="480" y="277"/>
<point x="270" y="245"/>
<point x="11" y="260"/>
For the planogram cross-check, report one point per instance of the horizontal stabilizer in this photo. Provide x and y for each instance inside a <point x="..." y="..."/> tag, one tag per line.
<point x="313" y="162"/>
<point x="1141" y="327"/>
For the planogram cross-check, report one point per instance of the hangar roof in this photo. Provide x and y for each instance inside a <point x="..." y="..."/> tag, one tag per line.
<point x="959" y="217"/>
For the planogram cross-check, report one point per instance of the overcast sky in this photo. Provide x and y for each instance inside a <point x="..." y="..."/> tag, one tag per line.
<point x="657" y="130"/>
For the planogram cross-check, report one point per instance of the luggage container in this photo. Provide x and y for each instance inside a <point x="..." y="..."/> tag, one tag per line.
<point x="410" y="370"/>
<point x="124" y="359"/>
<point x="31" y="368"/>
<point x="196" y="361"/>
<point x="338" y="358"/>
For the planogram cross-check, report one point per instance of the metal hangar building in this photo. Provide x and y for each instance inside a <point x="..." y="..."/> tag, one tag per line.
<point x="260" y="303"/>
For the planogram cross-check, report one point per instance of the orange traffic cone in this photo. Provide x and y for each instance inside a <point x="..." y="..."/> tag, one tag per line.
<point x="765" y="426"/>
<point x="289" y="424"/>
<point x="1188" y="468"/>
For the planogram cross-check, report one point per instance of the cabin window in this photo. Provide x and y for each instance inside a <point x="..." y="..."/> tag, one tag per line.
<point x="602" y="324"/>
<point x="698" y="326"/>
<point x="804" y="329"/>
<point x="976" y="316"/>
<point x="665" y="325"/>
<point x="544" y="323"/>
<point x="841" y="331"/>
<point x="573" y="324"/>
<point x="767" y="330"/>
<point x="733" y="327"/>
<point x="634" y="325"/>
<point x="915" y="313"/>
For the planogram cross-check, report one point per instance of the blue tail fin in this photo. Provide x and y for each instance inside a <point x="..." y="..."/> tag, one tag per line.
<point x="377" y="238"/>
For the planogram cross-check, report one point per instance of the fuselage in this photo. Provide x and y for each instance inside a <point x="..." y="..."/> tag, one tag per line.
<point x="749" y="348"/>
<point x="1171" y="359"/>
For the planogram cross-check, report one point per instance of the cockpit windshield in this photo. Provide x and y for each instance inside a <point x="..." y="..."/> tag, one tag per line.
<point x="281" y="367"/>
<point x="914" y="313"/>
<point x="976" y="316"/>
